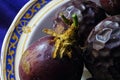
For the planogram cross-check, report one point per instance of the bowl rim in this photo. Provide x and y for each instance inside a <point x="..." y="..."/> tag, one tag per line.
<point x="8" y="35"/>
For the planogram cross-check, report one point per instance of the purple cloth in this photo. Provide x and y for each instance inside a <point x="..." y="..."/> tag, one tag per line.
<point x="8" y="11"/>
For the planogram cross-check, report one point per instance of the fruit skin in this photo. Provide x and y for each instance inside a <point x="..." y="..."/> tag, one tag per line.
<point x="92" y="15"/>
<point x="112" y="7"/>
<point x="37" y="63"/>
<point x="102" y="56"/>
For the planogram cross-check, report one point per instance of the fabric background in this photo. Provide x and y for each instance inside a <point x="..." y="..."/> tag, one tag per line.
<point x="8" y="11"/>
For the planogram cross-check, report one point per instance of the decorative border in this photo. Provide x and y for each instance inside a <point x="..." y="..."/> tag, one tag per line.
<point x="11" y="52"/>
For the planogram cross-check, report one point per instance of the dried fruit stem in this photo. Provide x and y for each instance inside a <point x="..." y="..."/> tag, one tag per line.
<point x="65" y="41"/>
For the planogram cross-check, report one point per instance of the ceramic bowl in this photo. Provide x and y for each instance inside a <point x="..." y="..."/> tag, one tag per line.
<point x="24" y="30"/>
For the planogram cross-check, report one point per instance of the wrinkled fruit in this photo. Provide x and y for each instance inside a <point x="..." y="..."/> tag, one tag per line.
<point x="102" y="57"/>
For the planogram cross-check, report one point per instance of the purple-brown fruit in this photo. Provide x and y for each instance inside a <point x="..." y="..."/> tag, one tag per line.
<point x="112" y="7"/>
<point x="102" y="56"/>
<point x="89" y="15"/>
<point x="92" y="15"/>
<point x="37" y="63"/>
